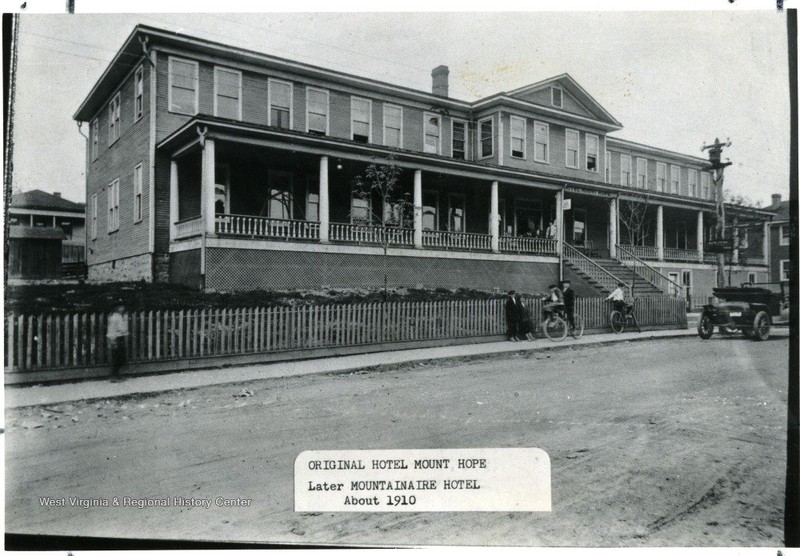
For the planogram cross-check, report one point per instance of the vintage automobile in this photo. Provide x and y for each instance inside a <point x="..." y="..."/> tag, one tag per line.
<point x="752" y="309"/>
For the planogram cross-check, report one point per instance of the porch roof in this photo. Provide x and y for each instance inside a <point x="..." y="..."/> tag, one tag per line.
<point x="188" y="136"/>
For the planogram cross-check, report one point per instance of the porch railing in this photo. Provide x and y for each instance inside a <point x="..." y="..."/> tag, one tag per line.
<point x="529" y="245"/>
<point x="456" y="240"/>
<point x="591" y="269"/>
<point x="189" y="227"/>
<point x="643" y="251"/>
<point x="674" y="254"/>
<point x="647" y="272"/>
<point x="259" y="226"/>
<point x="361" y="233"/>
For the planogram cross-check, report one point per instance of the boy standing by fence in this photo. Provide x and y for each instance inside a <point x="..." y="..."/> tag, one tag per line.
<point x="117" y="335"/>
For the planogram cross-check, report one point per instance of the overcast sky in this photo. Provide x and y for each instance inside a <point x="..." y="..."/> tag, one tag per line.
<point x="675" y="80"/>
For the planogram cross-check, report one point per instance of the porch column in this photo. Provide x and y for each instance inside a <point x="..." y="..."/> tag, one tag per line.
<point x="560" y="232"/>
<point x="324" y="210"/>
<point x="765" y="244"/>
<point x="700" y="235"/>
<point x="612" y="227"/>
<point x="208" y="180"/>
<point x="660" y="231"/>
<point x="173" y="197"/>
<point x="494" y="208"/>
<point x="418" y="209"/>
<point x="735" y="256"/>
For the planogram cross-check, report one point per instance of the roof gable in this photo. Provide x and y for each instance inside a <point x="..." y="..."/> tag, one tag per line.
<point x="575" y="99"/>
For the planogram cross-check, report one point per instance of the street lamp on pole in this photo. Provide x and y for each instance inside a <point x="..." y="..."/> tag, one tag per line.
<point x="717" y="167"/>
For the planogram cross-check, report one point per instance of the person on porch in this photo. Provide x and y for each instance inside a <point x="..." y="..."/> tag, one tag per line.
<point x="552" y="230"/>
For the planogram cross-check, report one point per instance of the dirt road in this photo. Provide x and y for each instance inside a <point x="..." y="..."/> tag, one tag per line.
<point x="674" y="442"/>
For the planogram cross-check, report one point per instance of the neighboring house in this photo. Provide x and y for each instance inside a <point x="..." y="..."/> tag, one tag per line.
<point x="780" y="234"/>
<point x="46" y="233"/>
<point x="223" y="168"/>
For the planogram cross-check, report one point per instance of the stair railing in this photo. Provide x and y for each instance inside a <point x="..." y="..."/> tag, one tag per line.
<point x="606" y="279"/>
<point x="652" y="275"/>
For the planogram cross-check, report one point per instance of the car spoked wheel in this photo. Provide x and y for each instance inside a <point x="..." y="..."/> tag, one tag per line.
<point x="761" y="326"/>
<point x="705" y="328"/>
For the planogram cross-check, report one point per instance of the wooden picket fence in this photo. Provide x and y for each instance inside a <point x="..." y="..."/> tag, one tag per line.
<point x="68" y="341"/>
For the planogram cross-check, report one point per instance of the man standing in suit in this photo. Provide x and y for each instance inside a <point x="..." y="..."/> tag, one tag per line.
<point x="512" y="316"/>
<point x="569" y="302"/>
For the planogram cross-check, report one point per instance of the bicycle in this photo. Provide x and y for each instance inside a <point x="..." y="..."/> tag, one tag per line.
<point x="556" y="325"/>
<point x="620" y="319"/>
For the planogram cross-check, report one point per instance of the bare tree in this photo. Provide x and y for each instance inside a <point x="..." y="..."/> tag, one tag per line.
<point x="383" y="205"/>
<point x="634" y="216"/>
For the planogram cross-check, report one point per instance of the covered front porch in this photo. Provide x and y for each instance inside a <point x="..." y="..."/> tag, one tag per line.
<point x="225" y="189"/>
<point x="659" y="232"/>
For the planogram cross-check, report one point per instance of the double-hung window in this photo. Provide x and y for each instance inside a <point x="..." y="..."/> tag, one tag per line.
<point x="705" y="185"/>
<point x="641" y="173"/>
<point x="95" y="132"/>
<point x="138" y="94"/>
<point x="625" y="170"/>
<point x="783" y="230"/>
<point x="280" y="104"/>
<point x="459" y="136"/>
<point x="137" y="193"/>
<point x="692" y="183"/>
<point x="361" y="119"/>
<point x="317" y="101"/>
<point x="228" y="93"/>
<point x="519" y="130"/>
<point x="93" y="216"/>
<point x="541" y="142"/>
<point x="113" y="119"/>
<point x="573" y="139"/>
<point x="556" y="97"/>
<point x="592" y="152"/>
<point x="392" y="126"/>
<point x="674" y="180"/>
<point x="661" y="177"/>
<point x="608" y="167"/>
<point x="433" y="133"/>
<point x="113" y="206"/>
<point x="486" y="137"/>
<point x="785" y="269"/>
<point x="183" y="86"/>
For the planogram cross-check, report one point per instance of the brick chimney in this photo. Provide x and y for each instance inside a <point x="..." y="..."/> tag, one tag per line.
<point x="776" y="199"/>
<point x="58" y="194"/>
<point x="440" y="76"/>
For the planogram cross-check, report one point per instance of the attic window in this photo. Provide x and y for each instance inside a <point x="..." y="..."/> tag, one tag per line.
<point x="556" y="97"/>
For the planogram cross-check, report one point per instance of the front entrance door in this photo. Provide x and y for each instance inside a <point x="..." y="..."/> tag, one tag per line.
<point x="674" y="277"/>
<point x="528" y="213"/>
<point x="686" y="280"/>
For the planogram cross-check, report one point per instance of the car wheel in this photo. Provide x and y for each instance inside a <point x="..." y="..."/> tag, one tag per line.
<point x="761" y="326"/>
<point x="705" y="328"/>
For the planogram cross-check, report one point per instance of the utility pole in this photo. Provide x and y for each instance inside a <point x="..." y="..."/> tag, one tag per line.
<point x="717" y="168"/>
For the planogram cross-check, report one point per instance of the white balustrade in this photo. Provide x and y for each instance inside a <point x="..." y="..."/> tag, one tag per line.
<point x="456" y="240"/>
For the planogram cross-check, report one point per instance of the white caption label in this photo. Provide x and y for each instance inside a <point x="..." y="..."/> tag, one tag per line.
<point x="462" y="480"/>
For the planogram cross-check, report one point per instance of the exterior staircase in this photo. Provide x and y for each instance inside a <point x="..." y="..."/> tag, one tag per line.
<point x="600" y="276"/>
<point x="629" y="276"/>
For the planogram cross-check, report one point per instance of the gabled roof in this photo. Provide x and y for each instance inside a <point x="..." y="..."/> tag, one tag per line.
<point x="38" y="199"/>
<point x="577" y="93"/>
